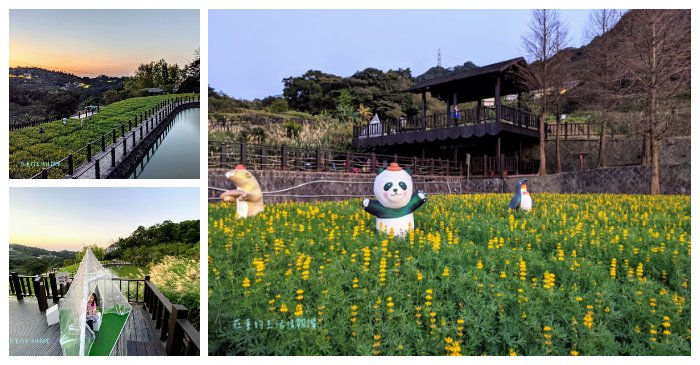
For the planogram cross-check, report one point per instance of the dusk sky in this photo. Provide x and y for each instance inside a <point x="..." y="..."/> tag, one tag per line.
<point x="94" y="42"/>
<point x="67" y="218"/>
<point x="251" y="51"/>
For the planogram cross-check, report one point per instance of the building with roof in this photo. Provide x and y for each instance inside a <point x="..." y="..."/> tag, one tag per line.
<point x="494" y="135"/>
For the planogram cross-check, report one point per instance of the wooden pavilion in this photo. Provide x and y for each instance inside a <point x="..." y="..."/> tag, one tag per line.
<point x="493" y="134"/>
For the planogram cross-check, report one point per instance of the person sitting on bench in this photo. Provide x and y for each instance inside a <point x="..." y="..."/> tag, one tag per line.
<point x="93" y="316"/>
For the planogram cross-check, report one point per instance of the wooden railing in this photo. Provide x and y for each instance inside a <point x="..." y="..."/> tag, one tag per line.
<point x="263" y="157"/>
<point x="24" y="286"/>
<point x="227" y="155"/>
<point x="120" y="139"/>
<point x="582" y="130"/>
<point x="464" y="117"/>
<point x="180" y="335"/>
<point x="588" y="130"/>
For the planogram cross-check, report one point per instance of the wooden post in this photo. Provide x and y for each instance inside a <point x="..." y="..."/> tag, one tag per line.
<point x="501" y="164"/>
<point x="566" y="130"/>
<point x="54" y="288"/>
<point x="97" y="169"/>
<point x="147" y="293"/>
<point x="17" y="285"/>
<point x="318" y="159"/>
<point x="175" y="335"/>
<point x="415" y="164"/>
<point x="478" y="111"/>
<point x="498" y="152"/>
<point x="485" y="166"/>
<point x="44" y="173"/>
<point x="520" y="153"/>
<point x="348" y="161"/>
<point x="262" y="158"/>
<point x="588" y="129"/>
<point x="244" y="153"/>
<point x="141" y="131"/>
<point x="222" y="156"/>
<point x="70" y="164"/>
<point x="373" y="162"/>
<point x="89" y="152"/>
<point x="125" y="141"/>
<point x="114" y="157"/>
<point x="497" y="98"/>
<point x="432" y="166"/>
<point x="40" y="293"/>
<point x="423" y="106"/>
<point x="133" y="136"/>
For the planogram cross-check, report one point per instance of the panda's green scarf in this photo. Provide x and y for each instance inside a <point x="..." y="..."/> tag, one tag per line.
<point x="377" y="209"/>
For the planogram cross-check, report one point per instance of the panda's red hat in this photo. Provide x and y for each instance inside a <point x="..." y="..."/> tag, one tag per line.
<point x="394" y="167"/>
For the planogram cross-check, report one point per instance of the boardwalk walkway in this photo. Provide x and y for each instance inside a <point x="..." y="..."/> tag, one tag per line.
<point x="30" y="336"/>
<point x="133" y="139"/>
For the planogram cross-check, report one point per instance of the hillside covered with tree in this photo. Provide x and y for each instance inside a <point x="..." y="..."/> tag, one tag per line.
<point x="27" y="260"/>
<point x="148" y="245"/>
<point x="38" y="94"/>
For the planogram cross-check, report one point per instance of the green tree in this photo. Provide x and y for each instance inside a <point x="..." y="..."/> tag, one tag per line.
<point x="61" y="103"/>
<point x="110" y="96"/>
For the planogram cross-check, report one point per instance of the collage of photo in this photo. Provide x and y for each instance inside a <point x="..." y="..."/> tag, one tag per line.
<point x="457" y="182"/>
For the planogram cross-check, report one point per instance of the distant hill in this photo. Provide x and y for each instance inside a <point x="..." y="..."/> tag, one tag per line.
<point x="439" y="71"/>
<point x="27" y="260"/>
<point x="29" y="87"/>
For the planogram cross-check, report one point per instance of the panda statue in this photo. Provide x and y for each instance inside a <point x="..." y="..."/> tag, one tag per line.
<point x="396" y="200"/>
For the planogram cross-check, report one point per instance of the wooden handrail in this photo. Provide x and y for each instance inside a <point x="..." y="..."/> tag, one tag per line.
<point x="180" y="335"/>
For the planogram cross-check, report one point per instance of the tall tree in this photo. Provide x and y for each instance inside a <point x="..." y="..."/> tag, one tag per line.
<point x="601" y="70"/>
<point x="546" y="36"/>
<point x="656" y="65"/>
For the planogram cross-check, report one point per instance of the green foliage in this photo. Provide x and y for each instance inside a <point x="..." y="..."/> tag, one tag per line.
<point x="29" y="148"/>
<point x="61" y="103"/>
<point x="98" y="251"/>
<point x="178" y="279"/>
<point x="26" y="260"/>
<point x="293" y="129"/>
<point x="592" y="274"/>
<point x="155" y="74"/>
<point x="345" y="99"/>
<point x="146" y="246"/>
<point x="110" y="96"/>
<point x="279" y="106"/>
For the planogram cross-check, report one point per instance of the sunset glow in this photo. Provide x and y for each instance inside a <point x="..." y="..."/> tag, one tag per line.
<point x="95" y="42"/>
<point x="68" y="218"/>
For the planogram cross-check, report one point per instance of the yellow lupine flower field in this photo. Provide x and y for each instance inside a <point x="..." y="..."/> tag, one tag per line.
<point x="578" y="275"/>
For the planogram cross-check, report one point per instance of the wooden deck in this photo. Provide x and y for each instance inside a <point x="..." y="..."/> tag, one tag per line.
<point x="30" y="336"/>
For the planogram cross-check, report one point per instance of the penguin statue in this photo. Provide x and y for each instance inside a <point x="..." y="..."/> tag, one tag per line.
<point x="521" y="199"/>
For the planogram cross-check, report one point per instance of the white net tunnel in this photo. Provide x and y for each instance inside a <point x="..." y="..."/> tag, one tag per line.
<point x="77" y="338"/>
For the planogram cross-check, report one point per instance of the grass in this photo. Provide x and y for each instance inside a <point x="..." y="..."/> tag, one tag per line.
<point x="579" y="275"/>
<point x="108" y="335"/>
